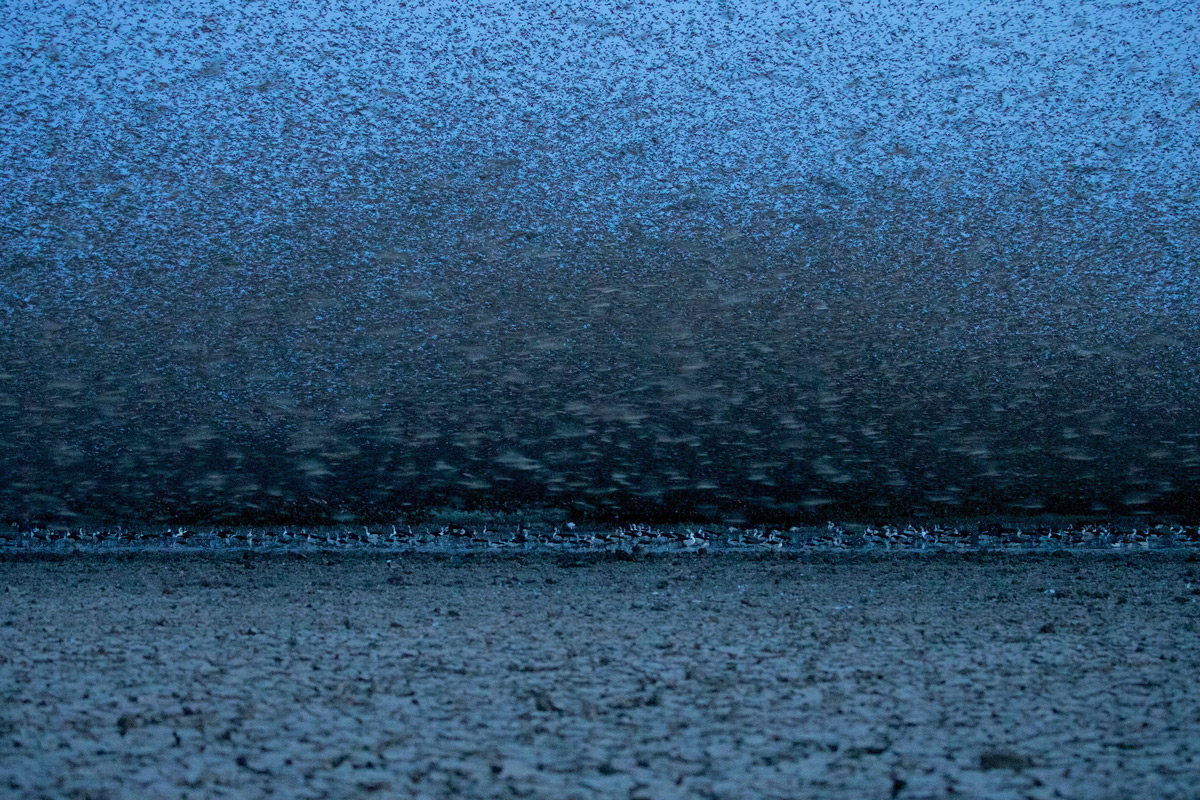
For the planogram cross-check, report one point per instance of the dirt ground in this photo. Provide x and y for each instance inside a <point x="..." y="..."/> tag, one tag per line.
<point x="847" y="675"/>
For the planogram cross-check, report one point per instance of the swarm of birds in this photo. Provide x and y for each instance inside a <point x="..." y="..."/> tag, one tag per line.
<point x="632" y="538"/>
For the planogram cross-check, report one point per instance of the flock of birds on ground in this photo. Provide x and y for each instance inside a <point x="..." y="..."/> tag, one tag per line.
<point x="630" y="539"/>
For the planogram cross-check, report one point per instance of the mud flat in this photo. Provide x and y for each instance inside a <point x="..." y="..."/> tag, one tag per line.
<point x="832" y="675"/>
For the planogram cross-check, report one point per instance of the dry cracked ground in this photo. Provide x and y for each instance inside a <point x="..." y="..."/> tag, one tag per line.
<point x="341" y="676"/>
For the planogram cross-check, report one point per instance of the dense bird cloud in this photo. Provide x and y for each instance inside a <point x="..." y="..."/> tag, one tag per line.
<point x="690" y="256"/>
<point x="664" y="115"/>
